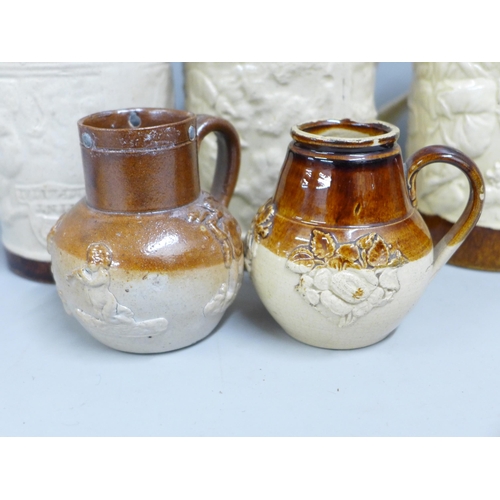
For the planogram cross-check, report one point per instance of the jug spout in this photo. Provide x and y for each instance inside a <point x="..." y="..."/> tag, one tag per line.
<point x="139" y="160"/>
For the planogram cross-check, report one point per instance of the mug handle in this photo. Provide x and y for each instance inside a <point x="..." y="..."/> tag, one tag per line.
<point x="228" y="155"/>
<point x="456" y="235"/>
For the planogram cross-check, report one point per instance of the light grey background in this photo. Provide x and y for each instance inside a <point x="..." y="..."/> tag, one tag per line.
<point x="437" y="375"/>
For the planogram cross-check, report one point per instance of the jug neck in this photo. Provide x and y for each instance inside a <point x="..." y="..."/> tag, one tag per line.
<point x="139" y="160"/>
<point x="343" y="173"/>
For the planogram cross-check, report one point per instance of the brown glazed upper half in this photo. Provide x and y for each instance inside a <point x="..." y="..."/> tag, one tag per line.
<point x="143" y="195"/>
<point x="189" y="237"/>
<point x="127" y="170"/>
<point x="348" y="178"/>
<point x="141" y="160"/>
<point x="348" y="187"/>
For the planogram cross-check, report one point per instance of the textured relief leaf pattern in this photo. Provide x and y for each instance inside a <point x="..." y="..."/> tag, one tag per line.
<point x="228" y="234"/>
<point x="322" y="244"/>
<point x="346" y="281"/>
<point x="263" y="100"/>
<point x="261" y="227"/>
<point x="456" y="104"/>
<point x="301" y="260"/>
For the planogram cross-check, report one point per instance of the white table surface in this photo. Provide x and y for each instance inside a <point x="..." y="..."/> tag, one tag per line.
<point x="437" y="375"/>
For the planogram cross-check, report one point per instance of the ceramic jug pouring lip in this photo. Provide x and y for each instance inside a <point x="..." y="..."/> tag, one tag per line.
<point x="346" y="134"/>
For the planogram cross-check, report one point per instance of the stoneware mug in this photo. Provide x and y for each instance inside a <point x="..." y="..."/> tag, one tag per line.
<point x="147" y="262"/>
<point x="40" y="170"/>
<point x="340" y="253"/>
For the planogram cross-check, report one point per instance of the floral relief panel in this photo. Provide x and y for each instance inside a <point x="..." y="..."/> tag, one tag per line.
<point x="346" y="281"/>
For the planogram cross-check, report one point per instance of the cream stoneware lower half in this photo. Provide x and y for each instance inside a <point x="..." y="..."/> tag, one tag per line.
<point x="145" y="312"/>
<point x="277" y="288"/>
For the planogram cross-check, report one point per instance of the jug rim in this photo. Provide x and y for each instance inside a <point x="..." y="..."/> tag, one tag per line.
<point x="176" y="116"/>
<point x="355" y="135"/>
<point x="137" y="128"/>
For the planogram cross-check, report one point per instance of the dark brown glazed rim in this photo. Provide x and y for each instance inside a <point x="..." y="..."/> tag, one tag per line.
<point x="137" y="128"/>
<point x="376" y="134"/>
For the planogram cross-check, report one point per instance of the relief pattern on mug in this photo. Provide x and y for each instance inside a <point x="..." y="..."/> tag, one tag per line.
<point x="226" y="233"/>
<point x="456" y="103"/>
<point x="293" y="91"/>
<point x="262" y="226"/>
<point x="347" y="280"/>
<point x="110" y="317"/>
<point x="46" y="202"/>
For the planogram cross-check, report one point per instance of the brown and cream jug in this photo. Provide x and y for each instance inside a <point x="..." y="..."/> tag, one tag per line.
<point x="147" y="262"/>
<point x="340" y="253"/>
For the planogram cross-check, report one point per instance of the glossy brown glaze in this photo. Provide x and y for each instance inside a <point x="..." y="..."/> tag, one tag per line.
<point x="348" y="179"/>
<point x="480" y="250"/>
<point x="143" y="198"/>
<point x="444" y="154"/>
<point x="321" y="187"/>
<point x="228" y="155"/>
<point x="188" y="237"/>
<point x="410" y="236"/>
<point x="349" y="187"/>
<point x="341" y="253"/>
<point x="31" y="269"/>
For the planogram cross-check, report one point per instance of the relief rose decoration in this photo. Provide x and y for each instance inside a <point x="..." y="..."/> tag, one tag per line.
<point x="348" y="280"/>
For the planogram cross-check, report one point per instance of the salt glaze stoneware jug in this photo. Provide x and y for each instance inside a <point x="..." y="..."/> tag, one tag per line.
<point x="340" y="253"/>
<point x="147" y="262"/>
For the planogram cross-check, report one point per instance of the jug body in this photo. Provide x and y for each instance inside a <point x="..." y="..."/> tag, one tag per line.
<point x="147" y="262"/>
<point x="340" y="254"/>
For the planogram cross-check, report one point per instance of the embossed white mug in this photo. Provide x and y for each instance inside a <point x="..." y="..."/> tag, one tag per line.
<point x="261" y="99"/>
<point x="457" y="104"/>
<point x="40" y="172"/>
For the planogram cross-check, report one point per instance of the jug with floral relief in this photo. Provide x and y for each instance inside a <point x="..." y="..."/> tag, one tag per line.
<point x="340" y="253"/>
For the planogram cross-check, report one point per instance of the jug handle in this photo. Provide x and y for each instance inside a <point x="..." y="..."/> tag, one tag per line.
<point x="450" y="242"/>
<point x="228" y="155"/>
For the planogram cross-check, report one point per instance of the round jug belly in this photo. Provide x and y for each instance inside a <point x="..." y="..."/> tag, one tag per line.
<point x="145" y="311"/>
<point x="295" y="301"/>
<point x="155" y="282"/>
